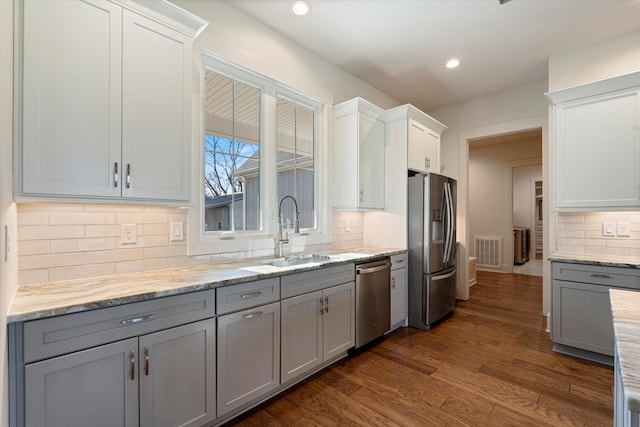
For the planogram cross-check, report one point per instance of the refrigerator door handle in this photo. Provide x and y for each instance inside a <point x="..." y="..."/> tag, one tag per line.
<point x="452" y="222"/>
<point x="447" y="203"/>
<point x="444" y="276"/>
<point x="445" y="224"/>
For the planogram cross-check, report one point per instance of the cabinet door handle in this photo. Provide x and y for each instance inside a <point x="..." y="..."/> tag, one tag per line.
<point x="321" y="305"/>
<point x="254" y="314"/>
<point x="251" y="294"/>
<point x="146" y="361"/>
<point x="128" y="175"/>
<point x="137" y="319"/>
<point x="326" y="304"/>
<point x="361" y="195"/>
<point x="393" y="283"/>
<point x="132" y="365"/>
<point x="115" y="175"/>
<point x="599" y="275"/>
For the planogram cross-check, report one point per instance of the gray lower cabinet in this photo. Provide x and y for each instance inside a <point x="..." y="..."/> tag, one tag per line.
<point x="165" y="378"/>
<point x="248" y="356"/>
<point x="90" y="387"/>
<point x="149" y="363"/>
<point x="177" y="376"/>
<point x="581" y="320"/>
<point x="398" y="291"/>
<point x="316" y="327"/>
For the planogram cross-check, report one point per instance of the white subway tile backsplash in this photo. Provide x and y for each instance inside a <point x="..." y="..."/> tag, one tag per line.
<point x="81" y="272"/>
<point x="46" y="232"/>
<point x="100" y="257"/>
<point x="142" y="265"/>
<point x="81" y="217"/>
<point x="70" y="241"/>
<point x="569" y="226"/>
<point x="28" y="277"/>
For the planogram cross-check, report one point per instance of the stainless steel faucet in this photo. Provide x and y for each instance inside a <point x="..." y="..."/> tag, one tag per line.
<point x="281" y="241"/>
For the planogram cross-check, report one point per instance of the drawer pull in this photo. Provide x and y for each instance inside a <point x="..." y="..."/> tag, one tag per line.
<point x="254" y="314"/>
<point x="251" y="294"/>
<point x="137" y="319"/>
<point x="132" y="365"/>
<point x="146" y="361"/>
<point x="600" y="275"/>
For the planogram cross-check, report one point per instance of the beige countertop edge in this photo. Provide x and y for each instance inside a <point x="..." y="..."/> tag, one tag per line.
<point x="604" y="260"/>
<point x="625" y="308"/>
<point x="37" y="301"/>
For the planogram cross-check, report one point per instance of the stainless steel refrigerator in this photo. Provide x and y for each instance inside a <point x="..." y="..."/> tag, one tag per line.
<point x="432" y="248"/>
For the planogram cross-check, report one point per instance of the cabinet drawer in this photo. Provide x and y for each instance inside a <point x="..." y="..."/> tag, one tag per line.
<point x="310" y="281"/>
<point x="49" y="337"/>
<point x="597" y="275"/>
<point x="398" y="261"/>
<point x="246" y="295"/>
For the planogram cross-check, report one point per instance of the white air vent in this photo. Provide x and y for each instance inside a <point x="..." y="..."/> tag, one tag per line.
<point x="488" y="250"/>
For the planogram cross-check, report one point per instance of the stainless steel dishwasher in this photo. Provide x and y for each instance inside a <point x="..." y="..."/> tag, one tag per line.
<point x="372" y="300"/>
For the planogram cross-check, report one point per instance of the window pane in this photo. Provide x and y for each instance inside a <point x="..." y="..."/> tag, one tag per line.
<point x="231" y="155"/>
<point x="296" y="165"/>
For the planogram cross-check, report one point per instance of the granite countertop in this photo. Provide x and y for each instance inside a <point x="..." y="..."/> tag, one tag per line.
<point x="604" y="260"/>
<point x="625" y="307"/>
<point x="56" y="298"/>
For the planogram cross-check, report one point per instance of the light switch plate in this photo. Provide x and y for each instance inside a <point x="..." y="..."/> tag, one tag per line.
<point x="608" y="229"/>
<point x="176" y="232"/>
<point x="623" y="229"/>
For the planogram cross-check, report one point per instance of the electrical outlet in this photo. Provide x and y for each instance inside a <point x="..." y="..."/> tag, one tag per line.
<point x="623" y="229"/>
<point x="176" y="232"/>
<point x="608" y="229"/>
<point x="127" y="234"/>
<point x="347" y="226"/>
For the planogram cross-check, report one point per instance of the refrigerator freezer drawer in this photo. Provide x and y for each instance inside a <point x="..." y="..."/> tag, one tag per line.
<point x="440" y="291"/>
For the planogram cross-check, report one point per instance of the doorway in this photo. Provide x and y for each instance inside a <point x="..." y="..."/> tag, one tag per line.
<point x="500" y="169"/>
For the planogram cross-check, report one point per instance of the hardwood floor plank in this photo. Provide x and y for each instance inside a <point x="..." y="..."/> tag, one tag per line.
<point x="490" y="364"/>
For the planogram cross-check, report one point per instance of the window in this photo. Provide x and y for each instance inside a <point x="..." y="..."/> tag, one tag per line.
<point x="295" y="159"/>
<point x="231" y="154"/>
<point x="261" y="140"/>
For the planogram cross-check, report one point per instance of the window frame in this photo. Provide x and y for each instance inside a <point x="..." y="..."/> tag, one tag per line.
<point x="259" y="242"/>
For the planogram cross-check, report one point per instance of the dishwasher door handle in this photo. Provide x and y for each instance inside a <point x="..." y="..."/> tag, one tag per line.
<point x="367" y="270"/>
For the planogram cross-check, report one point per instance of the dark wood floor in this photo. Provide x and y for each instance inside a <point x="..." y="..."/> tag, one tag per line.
<point x="491" y="364"/>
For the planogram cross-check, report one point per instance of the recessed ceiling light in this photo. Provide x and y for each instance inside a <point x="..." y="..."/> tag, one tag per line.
<point x="301" y="7"/>
<point x="453" y="63"/>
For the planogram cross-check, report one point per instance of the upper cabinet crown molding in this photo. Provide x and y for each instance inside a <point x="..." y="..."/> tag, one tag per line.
<point x="168" y="14"/>
<point x="594" y="88"/>
<point x="411" y="112"/>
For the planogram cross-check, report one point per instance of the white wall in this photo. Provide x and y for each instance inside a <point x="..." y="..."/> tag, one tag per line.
<point x="9" y="268"/>
<point x="613" y="57"/>
<point x="491" y="168"/>
<point x="245" y="41"/>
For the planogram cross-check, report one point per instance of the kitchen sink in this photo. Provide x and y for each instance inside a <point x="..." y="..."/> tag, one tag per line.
<point x="292" y="260"/>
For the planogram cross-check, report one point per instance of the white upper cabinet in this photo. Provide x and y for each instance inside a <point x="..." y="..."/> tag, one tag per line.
<point x="105" y="110"/>
<point x="596" y="145"/>
<point x="420" y="133"/>
<point x="358" y="169"/>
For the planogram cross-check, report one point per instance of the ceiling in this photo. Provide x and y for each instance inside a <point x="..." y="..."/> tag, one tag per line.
<point x="401" y="46"/>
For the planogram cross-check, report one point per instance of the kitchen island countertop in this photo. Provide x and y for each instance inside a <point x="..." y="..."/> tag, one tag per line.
<point x="36" y="301"/>
<point x="625" y="307"/>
